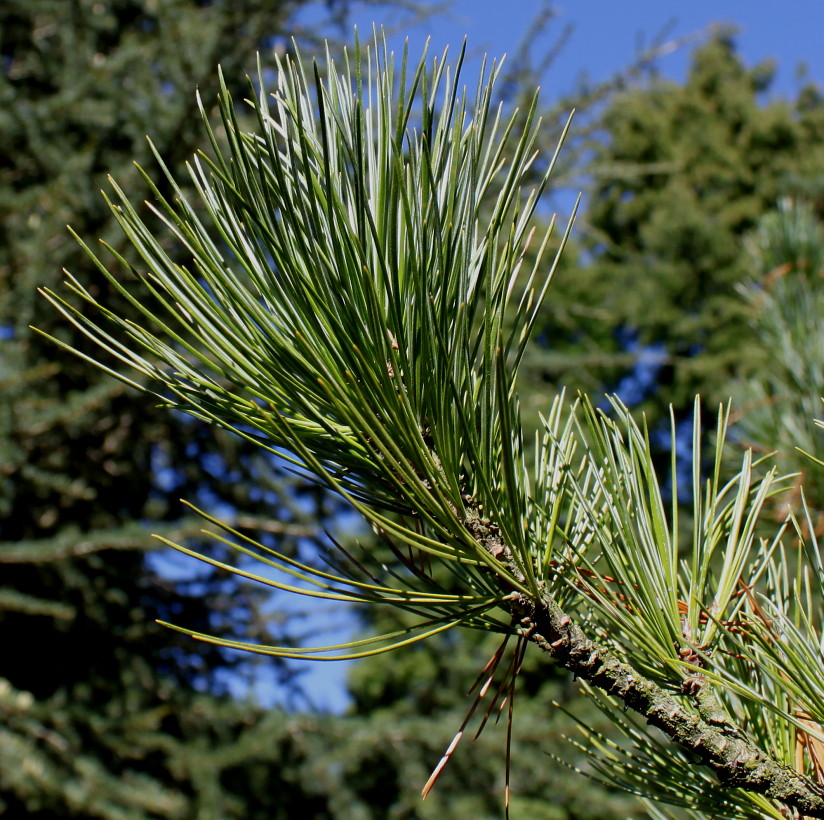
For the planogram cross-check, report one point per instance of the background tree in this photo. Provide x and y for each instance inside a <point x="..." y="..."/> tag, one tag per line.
<point x="99" y="716"/>
<point x="681" y="173"/>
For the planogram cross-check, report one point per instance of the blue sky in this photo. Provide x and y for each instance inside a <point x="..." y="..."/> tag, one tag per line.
<point x="606" y="36"/>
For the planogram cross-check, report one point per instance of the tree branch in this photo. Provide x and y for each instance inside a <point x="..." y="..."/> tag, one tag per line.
<point x="737" y="762"/>
<point x="713" y="737"/>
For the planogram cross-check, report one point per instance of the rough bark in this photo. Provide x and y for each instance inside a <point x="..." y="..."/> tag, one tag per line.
<point x="710" y="735"/>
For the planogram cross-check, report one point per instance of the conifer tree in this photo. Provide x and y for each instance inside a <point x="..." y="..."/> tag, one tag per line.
<point x="99" y="717"/>
<point x="680" y="174"/>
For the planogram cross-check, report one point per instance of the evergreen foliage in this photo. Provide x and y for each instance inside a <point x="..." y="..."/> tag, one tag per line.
<point x="100" y="716"/>
<point x="785" y="256"/>
<point x="349" y="299"/>
<point x="681" y="172"/>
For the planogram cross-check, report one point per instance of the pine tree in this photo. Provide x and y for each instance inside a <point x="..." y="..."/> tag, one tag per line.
<point x="681" y="172"/>
<point x="349" y="299"/>
<point x="100" y="716"/>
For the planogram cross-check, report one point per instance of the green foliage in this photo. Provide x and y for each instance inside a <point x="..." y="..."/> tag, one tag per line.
<point x="349" y="299"/>
<point x="681" y="172"/>
<point x="362" y="329"/>
<point x="82" y="85"/>
<point x="99" y="715"/>
<point x="786" y="256"/>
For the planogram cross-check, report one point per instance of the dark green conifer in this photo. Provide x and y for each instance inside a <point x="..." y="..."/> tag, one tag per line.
<point x="102" y="713"/>
<point x="681" y="172"/>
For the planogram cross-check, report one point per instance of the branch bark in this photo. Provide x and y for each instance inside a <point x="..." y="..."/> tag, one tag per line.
<point x="737" y="762"/>
<point x="711" y="736"/>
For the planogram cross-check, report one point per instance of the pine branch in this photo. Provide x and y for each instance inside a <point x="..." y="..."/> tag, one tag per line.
<point x="736" y="762"/>
<point x="716" y="742"/>
<point x="710" y="735"/>
<point x="356" y="304"/>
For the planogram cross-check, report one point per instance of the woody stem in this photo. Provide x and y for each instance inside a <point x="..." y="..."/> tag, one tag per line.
<point x="737" y="762"/>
